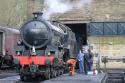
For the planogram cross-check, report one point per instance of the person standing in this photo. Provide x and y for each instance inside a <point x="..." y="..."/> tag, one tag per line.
<point x="90" y="60"/>
<point x="80" y="58"/>
<point x="86" y="58"/>
<point x="71" y="62"/>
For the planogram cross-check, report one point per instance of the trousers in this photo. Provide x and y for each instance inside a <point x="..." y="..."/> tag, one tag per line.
<point x="81" y="67"/>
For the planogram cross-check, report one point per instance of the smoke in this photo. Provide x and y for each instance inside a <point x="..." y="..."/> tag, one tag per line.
<point x="55" y="6"/>
<point x="61" y="6"/>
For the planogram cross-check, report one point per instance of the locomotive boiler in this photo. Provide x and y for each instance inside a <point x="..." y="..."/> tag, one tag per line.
<point x="44" y="48"/>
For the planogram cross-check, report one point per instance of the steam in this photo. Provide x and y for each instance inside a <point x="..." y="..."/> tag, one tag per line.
<point x="55" y="6"/>
<point x="61" y="6"/>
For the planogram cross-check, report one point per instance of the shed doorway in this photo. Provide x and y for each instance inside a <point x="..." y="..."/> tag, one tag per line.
<point x="80" y="30"/>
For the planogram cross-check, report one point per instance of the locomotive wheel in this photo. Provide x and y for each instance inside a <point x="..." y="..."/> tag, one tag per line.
<point x="55" y="73"/>
<point x="59" y="72"/>
<point x="23" y="78"/>
<point x="62" y="71"/>
<point x="39" y="78"/>
<point x="47" y="74"/>
<point x="52" y="74"/>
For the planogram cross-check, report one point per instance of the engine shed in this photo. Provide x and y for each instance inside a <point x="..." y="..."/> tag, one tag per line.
<point x="80" y="30"/>
<point x="104" y="38"/>
<point x="108" y="40"/>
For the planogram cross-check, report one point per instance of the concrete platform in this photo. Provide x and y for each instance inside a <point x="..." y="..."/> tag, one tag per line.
<point x="78" y="78"/>
<point x="8" y="76"/>
<point x="12" y="77"/>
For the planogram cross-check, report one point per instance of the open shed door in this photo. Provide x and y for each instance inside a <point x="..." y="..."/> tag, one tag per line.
<point x="80" y="30"/>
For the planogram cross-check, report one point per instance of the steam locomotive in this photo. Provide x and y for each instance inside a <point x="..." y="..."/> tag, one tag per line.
<point x="44" y="48"/>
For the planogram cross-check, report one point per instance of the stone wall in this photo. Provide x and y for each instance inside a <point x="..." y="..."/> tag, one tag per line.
<point x="34" y="6"/>
<point x="98" y="10"/>
<point x="74" y="14"/>
<point x="13" y="12"/>
<point x="108" y="10"/>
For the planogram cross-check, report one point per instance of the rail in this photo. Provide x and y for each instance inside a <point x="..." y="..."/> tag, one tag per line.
<point x="104" y="79"/>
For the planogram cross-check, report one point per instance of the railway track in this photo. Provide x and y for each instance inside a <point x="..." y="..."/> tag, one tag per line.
<point x="116" y="76"/>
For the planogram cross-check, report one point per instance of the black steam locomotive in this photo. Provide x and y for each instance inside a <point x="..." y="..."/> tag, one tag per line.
<point x="45" y="48"/>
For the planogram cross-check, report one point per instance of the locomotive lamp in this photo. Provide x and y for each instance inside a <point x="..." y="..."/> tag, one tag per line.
<point x="33" y="50"/>
<point x="55" y="61"/>
<point x="18" y="53"/>
<point x="47" y="62"/>
<point x="48" y="53"/>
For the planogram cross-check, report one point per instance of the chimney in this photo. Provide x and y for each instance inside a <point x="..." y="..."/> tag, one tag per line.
<point x="37" y="15"/>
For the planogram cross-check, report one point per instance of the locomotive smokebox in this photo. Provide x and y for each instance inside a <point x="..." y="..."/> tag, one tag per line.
<point x="35" y="32"/>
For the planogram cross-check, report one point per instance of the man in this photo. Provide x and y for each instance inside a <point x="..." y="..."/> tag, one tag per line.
<point x="71" y="62"/>
<point x="80" y="58"/>
<point x="90" y="60"/>
<point x="86" y="58"/>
